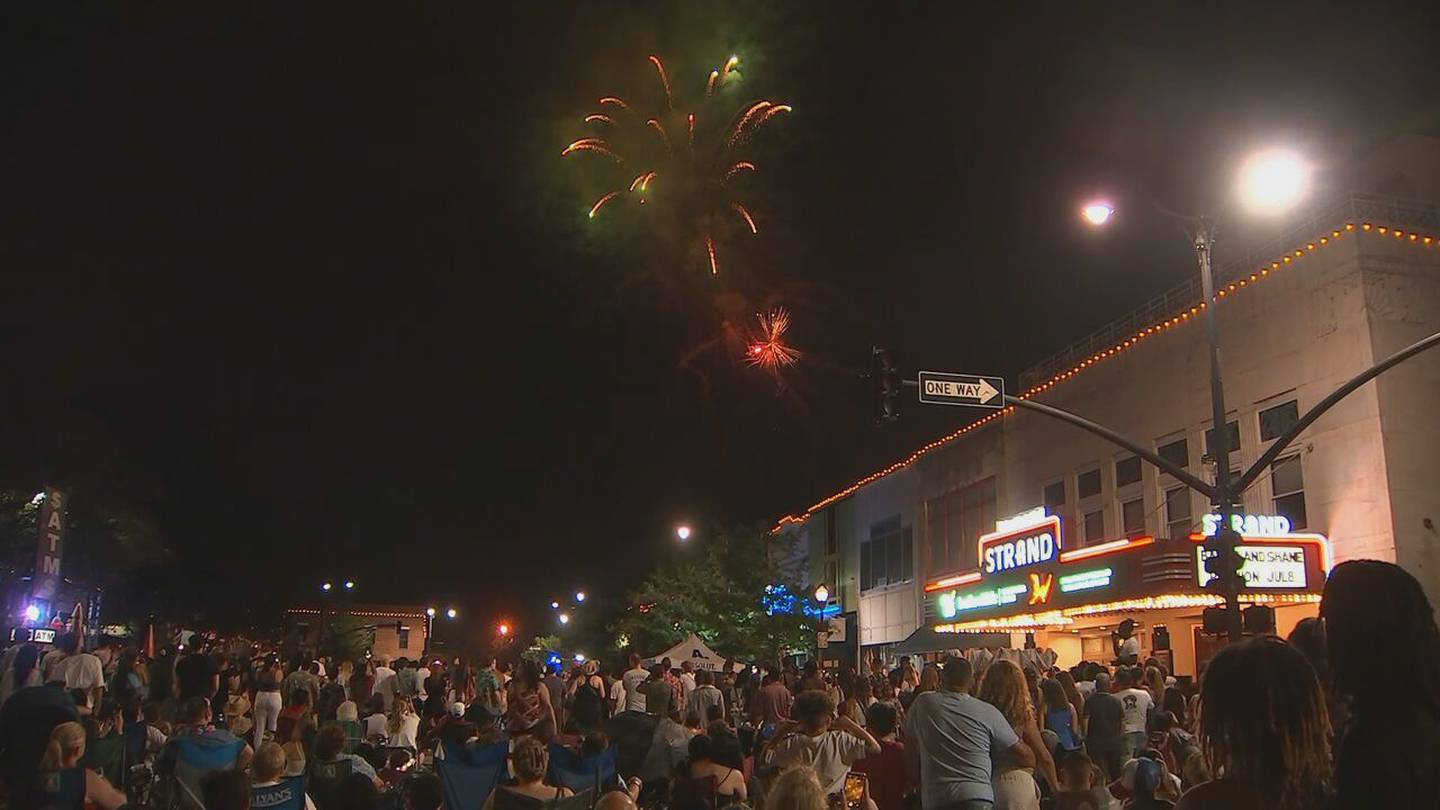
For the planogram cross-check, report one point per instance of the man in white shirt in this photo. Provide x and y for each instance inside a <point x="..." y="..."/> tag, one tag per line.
<point x="811" y="741"/>
<point x="423" y="675"/>
<point x="687" y="682"/>
<point x="632" y="679"/>
<point x="1137" y="704"/>
<point x="51" y="664"/>
<point x="385" y="682"/>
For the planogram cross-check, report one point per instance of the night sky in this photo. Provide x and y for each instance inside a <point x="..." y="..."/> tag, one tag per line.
<point x="311" y="284"/>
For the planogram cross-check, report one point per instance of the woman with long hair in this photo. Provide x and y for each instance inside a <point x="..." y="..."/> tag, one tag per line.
<point x="362" y="683"/>
<point x="1388" y="752"/>
<point x="530" y="761"/>
<point x="1155" y="685"/>
<point x="404" y="725"/>
<point x="60" y="770"/>
<point x="1060" y="717"/>
<point x="1072" y="692"/>
<point x="1005" y="688"/>
<point x="929" y="680"/>
<point x="125" y="682"/>
<point x="528" y="709"/>
<point x="23" y="672"/>
<point x="1263" y="730"/>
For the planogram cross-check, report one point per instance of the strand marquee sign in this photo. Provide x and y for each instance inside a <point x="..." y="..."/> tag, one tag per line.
<point x="1025" y="568"/>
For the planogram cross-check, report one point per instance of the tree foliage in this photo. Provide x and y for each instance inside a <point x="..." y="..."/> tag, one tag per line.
<point x="718" y="592"/>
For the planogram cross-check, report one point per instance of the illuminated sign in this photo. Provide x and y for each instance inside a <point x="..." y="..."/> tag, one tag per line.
<point x="1023" y="520"/>
<point x="1017" y="548"/>
<point x="1040" y="588"/>
<point x="1265" y="566"/>
<point x="39" y="635"/>
<point x="1087" y="580"/>
<point x="952" y="603"/>
<point x="1248" y="525"/>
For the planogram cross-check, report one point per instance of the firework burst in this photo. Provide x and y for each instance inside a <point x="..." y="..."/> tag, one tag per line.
<point x="689" y="183"/>
<point x="768" y="349"/>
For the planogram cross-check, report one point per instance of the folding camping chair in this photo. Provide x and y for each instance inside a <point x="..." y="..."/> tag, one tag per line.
<point x="325" y="779"/>
<point x="288" y="794"/>
<point x="197" y="756"/>
<point x="470" y="773"/>
<point x="569" y="769"/>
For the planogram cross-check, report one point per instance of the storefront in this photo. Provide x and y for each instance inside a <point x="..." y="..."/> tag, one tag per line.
<point x="1030" y="581"/>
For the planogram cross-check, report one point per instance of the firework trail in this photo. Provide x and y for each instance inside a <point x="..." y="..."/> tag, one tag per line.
<point x="694" y="203"/>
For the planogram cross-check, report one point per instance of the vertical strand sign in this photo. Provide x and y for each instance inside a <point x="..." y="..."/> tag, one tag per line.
<point x="49" y="545"/>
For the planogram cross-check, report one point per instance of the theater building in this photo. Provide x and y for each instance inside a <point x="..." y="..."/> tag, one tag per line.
<point x="1019" y="524"/>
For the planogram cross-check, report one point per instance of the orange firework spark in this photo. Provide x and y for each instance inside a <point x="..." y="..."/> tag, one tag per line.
<point x="769" y="350"/>
<point x="642" y="182"/>
<point x="618" y="102"/>
<point x="749" y="113"/>
<point x="710" y="247"/>
<point x="691" y="119"/>
<point x="591" y="145"/>
<point x="710" y="85"/>
<point x="664" y="81"/>
<point x="740" y="209"/>
<point x="743" y="165"/>
<point x="598" y="203"/>
<point x="730" y="65"/>
<point x="594" y="117"/>
<point x="654" y="123"/>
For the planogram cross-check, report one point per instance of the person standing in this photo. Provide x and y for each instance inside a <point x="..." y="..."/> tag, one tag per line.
<point x="587" y="698"/>
<point x="385" y="682"/>
<point x="950" y="740"/>
<point x="555" y="685"/>
<point x="885" y="768"/>
<point x="1137" y="705"/>
<point x="774" y="701"/>
<point x="83" y="671"/>
<point x="704" y="696"/>
<point x="688" y="682"/>
<point x="196" y="675"/>
<point x="1388" y="753"/>
<point x="268" y="703"/>
<point x="632" y="680"/>
<point x="658" y="693"/>
<point x="809" y="740"/>
<point x="24" y="670"/>
<point x="1016" y="788"/>
<point x="1104" y="728"/>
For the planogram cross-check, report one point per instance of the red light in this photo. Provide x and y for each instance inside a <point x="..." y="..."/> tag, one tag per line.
<point x="504" y="629"/>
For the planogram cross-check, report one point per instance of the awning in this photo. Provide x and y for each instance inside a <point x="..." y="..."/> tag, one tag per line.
<point x="925" y="639"/>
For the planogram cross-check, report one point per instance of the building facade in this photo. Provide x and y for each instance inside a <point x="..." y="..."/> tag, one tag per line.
<point x="390" y="631"/>
<point x="916" y="547"/>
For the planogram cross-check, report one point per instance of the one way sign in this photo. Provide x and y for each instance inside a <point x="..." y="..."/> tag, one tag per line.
<point x="973" y="390"/>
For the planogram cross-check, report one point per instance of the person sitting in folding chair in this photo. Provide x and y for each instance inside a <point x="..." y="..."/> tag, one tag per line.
<point x="105" y="743"/>
<point x="61" y="782"/>
<point x="331" y="765"/>
<point x="197" y="748"/>
<point x="271" y="789"/>
<point x="530" y="761"/>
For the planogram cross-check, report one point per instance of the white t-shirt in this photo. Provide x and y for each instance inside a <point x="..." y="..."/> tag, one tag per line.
<point x="687" y="685"/>
<point x="634" y="701"/>
<point x="831" y="754"/>
<point x="1130" y="647"/>
<point x="422" y="675"/>
<point x="1137" y="704"/>
<point x="385" y="685"/>
<point x="375" y="726"/>
<point x="83" y="671"/>
<point x="1085" y="688"/>
<point x="404" y="737"/>
<point x="50" y="666"/>
<point x="617" y="694"/>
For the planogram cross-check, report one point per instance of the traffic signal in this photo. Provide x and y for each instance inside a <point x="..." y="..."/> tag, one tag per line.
<point x="886" y="378"/>
<point x="1223" y="561"/>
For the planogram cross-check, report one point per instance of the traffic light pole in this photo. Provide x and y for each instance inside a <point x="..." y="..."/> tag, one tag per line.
<point x="1220" y="447"/>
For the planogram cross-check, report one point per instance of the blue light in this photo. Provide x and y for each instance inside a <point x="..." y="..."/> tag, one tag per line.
<point x="32" y="613"/>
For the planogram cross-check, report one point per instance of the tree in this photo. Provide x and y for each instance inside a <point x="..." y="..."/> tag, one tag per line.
<point x="722" y="592"/>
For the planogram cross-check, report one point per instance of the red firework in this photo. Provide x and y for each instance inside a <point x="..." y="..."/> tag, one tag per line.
<point x="769" y="350"/>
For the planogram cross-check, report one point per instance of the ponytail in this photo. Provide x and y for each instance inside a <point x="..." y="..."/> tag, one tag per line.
<point x="64" y="739"/>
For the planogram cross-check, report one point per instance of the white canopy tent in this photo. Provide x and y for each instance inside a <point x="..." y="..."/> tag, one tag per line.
<point x="694" y="650"/>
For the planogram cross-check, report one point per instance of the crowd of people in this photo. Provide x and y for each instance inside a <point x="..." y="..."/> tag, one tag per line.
<point x="1345" y="713"/>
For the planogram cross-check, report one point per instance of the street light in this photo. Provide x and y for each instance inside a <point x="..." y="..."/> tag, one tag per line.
<point x="579" y="596"/>
<point x="349" y="585"/>
<point x="1272" y="181"/>
<point x="451" y="613"/>
<point x="326" y="587"/>
<point x="822" y="594"/>
<point x="503" y="629"/>
<point x="430" y="611"/>
<point x="554" y="605"/>
<point x="564" y="618"/>
<point x="683" y="532"/>
<point x="1097" y="212"/>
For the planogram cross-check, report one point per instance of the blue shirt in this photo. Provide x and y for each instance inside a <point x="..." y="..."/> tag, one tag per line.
<point x="958" y="737"/>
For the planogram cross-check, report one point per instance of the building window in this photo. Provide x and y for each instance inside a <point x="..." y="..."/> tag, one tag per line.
<point x="404" y="638"/>
<point x="1054" y="498"/>
<point x="1177" y="513"/>
<point x="1094" y="526"/>
<point x="1088" y="484"/>
<point x="1127" y="471"/>
<point x="1132" y="517"/>
<point x="887" y="558"/>
<point x="1275" y="421"/>
<point x="1232" y="436"/>
<point x="1287" y="483"/>
<point x="1176" y="452"/>
<point x="954" y="525"/>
